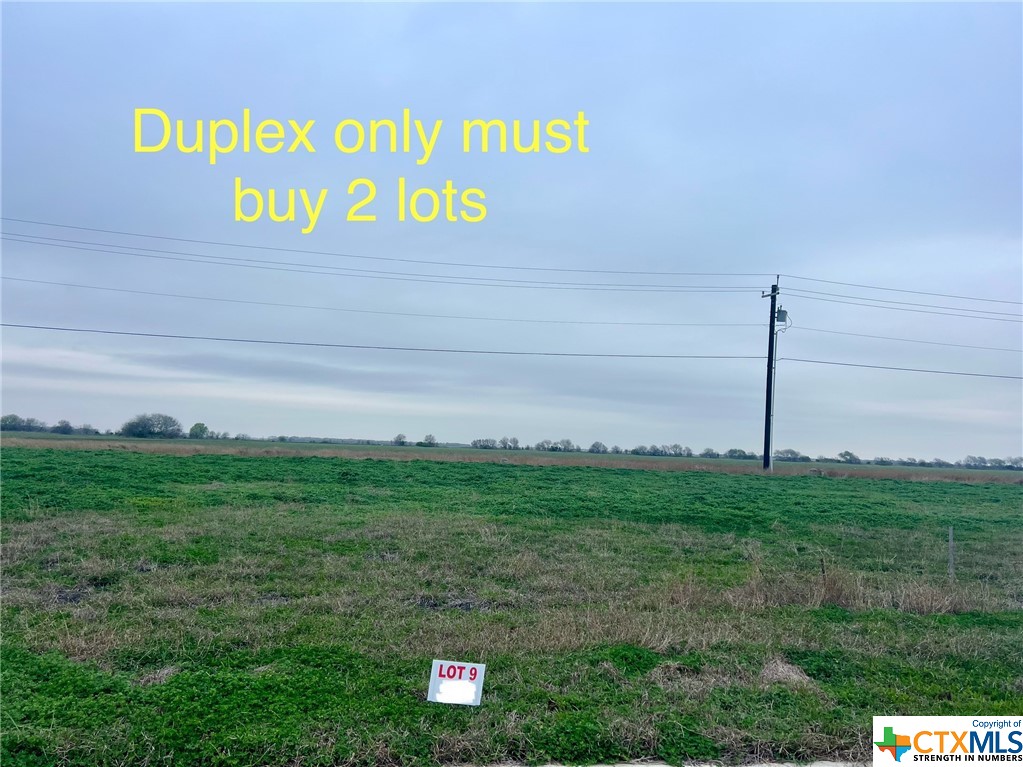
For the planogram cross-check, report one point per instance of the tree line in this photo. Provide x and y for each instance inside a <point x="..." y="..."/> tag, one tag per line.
<point x="144" y="426"/>
<point x="162" y="426"/>
<point x="17" y="423"/>
<point x="784" y="455"/>
<point x="568" y="446"/>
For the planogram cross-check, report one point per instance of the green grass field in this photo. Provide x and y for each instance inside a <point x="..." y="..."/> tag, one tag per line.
<point x="257" y="448"/>
<point x="284" y="610"/>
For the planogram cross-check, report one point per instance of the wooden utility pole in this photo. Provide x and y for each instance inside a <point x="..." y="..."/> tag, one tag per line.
<point x="769" y="406"/>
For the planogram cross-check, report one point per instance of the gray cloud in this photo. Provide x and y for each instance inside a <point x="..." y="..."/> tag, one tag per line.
<point x="863" y="143"/>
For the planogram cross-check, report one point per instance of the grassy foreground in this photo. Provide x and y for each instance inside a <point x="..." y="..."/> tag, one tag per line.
<point x="218" y="609"/>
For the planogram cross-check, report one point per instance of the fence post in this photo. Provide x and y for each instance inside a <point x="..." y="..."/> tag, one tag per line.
<point x="951" y="555"/>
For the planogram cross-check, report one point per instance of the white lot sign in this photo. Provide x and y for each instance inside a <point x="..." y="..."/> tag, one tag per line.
<point x="454" y="682"/>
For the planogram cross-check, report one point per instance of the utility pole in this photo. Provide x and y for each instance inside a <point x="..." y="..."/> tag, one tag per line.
<point x="769" y="407"/>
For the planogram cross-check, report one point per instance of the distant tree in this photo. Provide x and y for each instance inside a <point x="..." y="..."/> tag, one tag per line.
<point x="139" y="426"/>
<point x="598" y="447"/>
<point x="12" y="422"/>
<point x="167" y="427"/>
<point x="400" y="440"/>
<point x="62" y="427"/>
<point x="639" y="450"/>
<point x="513" y="443"/>
<point x="616" y="450"/>
<point x="484" y="444"/>
<point x="16" y="423"/>
<point x="847" y="456"/>
<point x="430" y="441"/>
<point x="882" y="461"/>
<point x="242" y="436"/>
<point x="282" y="438"/>
<point x="504" y="443"/>
<point x="156" y="425"/>
<point x="199" y="431"/>
<point x="710" y="453"/>
<point x="542" y="445"/>
<point x="1014" y="462"/>
<point x="735" y="452"/>
<point x="87" y="429"/>
<point x="790" y="455"/>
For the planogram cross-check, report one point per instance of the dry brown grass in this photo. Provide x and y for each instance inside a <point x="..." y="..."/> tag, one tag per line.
<point x="506" y="587"/>
<point x="476" y="743"/>
<point x="157" y="677"/>
<point x="853" y="591"/>
<point x="778" y="671"/>
<point x="678" y="678"/>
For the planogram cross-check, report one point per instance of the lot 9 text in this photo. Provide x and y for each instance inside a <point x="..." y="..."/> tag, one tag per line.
<point x="452" y="671"/>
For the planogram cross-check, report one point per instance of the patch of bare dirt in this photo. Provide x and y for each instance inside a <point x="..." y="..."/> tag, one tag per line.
<point x="465" y="604"/>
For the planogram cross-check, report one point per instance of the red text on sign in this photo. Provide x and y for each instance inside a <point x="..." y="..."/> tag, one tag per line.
<point x="455" y="672"/>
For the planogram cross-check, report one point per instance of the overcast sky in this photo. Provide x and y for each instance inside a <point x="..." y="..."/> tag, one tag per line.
<point x="872" y="144"/>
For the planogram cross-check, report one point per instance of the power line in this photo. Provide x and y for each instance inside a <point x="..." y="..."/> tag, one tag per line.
<point x="800" y="291"/>
<point x="907" y="370"/>
<point x="904" y="309"/>
<point x="900" y="290"/>
<point x="443" y="280"/>
<point x="422" y="315"/>
<point x="378" y="312"/>
<point x="908" y="340"/>
<point x="358" y="272"/>
<point x="221" y="339"/>
<point x="382" y="348"/>
<point x="499" y="266"/>
<point x="389" y="258"/>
